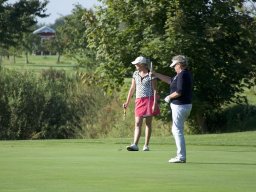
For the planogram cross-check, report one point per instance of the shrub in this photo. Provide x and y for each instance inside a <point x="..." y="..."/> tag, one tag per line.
<point x="51" y="105"/>
<point x="240" y="117"/>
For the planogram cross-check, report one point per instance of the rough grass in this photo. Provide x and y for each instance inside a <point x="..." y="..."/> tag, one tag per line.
<point x="222" y="163"/>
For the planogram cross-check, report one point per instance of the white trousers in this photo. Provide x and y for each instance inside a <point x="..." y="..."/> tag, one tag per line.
<point x="179" y="115"/>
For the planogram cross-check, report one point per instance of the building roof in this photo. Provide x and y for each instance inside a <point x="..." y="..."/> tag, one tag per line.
<point x="44" y="30"/>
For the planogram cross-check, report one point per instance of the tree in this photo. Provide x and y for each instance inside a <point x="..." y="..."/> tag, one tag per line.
<point x="71" y="38"/>
<point x="217" y="36"/>
<point x="57" y="44"/>
<point x="18" y="18"/>
<point x="29" y="43"/>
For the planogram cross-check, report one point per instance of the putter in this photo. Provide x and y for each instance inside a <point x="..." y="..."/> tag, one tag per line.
<point x="122" y="132"/>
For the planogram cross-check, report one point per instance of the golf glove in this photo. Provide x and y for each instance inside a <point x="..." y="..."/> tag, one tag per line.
<point x="167" y="99"/>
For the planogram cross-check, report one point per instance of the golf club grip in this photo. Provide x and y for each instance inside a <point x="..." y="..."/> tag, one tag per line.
<point x="151" y="66"/>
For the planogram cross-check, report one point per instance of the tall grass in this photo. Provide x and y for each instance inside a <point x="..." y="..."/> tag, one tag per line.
<point x="52" y="105"/>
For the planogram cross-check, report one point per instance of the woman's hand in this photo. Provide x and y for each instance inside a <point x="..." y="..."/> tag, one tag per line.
<point x="167" y="99"/>
<point x="154" y="107"/>
<point x="125" y="105"/>
<point x="152" y="73"/>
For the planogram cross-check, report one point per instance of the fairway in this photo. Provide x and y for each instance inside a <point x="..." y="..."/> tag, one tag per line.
<point x="39" y="63"/>
<point x="225" y="162"/>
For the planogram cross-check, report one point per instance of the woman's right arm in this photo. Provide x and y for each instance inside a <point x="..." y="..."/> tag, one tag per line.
<point x="130" y="94"/>
<point x="162" y="77"/>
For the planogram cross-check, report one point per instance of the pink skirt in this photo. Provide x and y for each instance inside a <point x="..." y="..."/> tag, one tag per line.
<point x="143" y="107"/>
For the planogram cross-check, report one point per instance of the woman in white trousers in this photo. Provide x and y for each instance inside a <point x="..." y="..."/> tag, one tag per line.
<point x="181" y="102"/>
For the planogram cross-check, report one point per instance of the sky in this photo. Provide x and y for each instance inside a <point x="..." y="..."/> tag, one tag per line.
<point x="59" y="8"/>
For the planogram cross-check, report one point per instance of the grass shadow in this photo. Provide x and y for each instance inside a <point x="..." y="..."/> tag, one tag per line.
<point x="222" y="163"/>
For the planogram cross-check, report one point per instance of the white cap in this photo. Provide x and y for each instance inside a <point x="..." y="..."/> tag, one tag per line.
<point x="174" y="62"/>
<point x="140" y="59"/>
<point x="179" y="59"/>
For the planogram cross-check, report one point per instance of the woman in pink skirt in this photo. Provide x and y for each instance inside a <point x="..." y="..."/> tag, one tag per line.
<point x="145" y="104"/>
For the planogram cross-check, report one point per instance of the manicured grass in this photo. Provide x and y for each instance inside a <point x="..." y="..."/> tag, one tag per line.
<point x="39" y="63"/>
<point x="225" y="162"/>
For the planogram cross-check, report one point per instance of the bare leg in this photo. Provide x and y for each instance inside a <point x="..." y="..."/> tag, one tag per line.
<point x="148" y="129"/>
<point x="137" y="130"/>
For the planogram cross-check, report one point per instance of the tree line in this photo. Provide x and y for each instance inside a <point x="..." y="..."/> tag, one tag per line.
<point x="217" y="36"/>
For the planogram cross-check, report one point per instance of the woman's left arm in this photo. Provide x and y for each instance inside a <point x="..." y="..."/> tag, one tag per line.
<point x="154" y="87"/>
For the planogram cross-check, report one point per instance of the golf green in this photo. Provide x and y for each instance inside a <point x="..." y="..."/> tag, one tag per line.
<point x="99" y="165"/>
